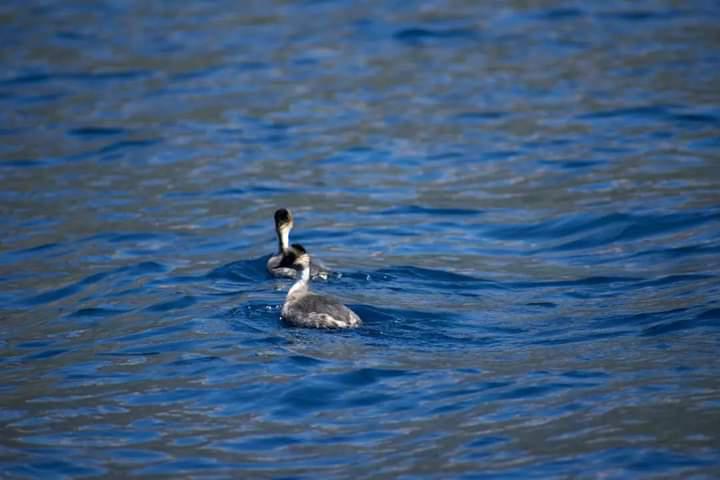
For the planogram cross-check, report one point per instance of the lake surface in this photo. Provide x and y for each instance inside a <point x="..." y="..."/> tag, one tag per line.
<point x="520" y="199"/>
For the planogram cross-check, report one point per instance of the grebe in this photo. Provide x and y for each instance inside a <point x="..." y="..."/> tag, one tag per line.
<point x="283" y="225"/>
<point x="280" y="264"/>
<point x="304" y="308"/>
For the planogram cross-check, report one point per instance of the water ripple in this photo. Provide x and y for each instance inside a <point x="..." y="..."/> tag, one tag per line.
<point x="520" y="201"/>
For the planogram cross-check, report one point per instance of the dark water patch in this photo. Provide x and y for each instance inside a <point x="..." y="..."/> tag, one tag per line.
<point x="346" y="390"/>
<point x="144" y="268"/>
<point x="127" y="354"/>
<point x="183" y="195"/>
<point x="631" y="15"/>
<point x="259" y="443"/>
<point x="611" y="282"/>
<point x="110" y="151"/>
<point x="569" y="337"/>
<point x="419" y="329"/>
<point x="175" y="280"/>
<point x="480" y="116"/>
<point x="679" y="252"/>
<point x="198" y="73"/>
<point x="94" y="132"/>
<point x="640" y="113"/>
<point x="670" y="114"/>
<point x="307" y="398"/>
<point x="419" y="210"/>
<point x="635" y="227"/>
<point x="583" y="374"/>
<point x="542" y="304"/>
<point x="367" y="400"/>
<point x="560" y="14"/>
<point x="185" y="467"/>
<point x="36" y="249"/>
<point x="50" y="296"/>
<point x="70" y="35"/>
<point x="712" y="314"/>
<point x="305" y="361"/>
<point x="60" y="293"/>
<point x="420" y="36"/>
<point x="129" y="237"/>
<point x="197" y="360"/>
<point x="605" y="229"/>
<point x="488" y="441"/>
<point x="35" y="344"/>
<point x="243" y="271"/>
<point x="403" y="317"/>
<point x="454" y="391"/>
<point x="365" y="376"/>
<point x="26" y="79"/>
<point x="163" y="397"/>
<point x="179" y="304"/>
<point x="639" y="319"/>
<point x="152" y="332"/>
<point x="549" y="142"/>
<point x="672" y="279"/>
<point x="409" y="272"/>
<point x="109" y="76"/>
<point x="649" y="460"/>
<point x="446" y="156"/>
<point x="321" y="233"/>
<point x="49" y="468"/>
<point x="260" y="341"/>
<point x="155" y="349"/>
<point x="555" y="228"/>
<point x="97" y="312"/>
<point x="255" y="311"/>
<point x="575" y="164"/>
<point x="355" y="156"/>
<point x="25" y="163"/>
<point x="35" y="78"/>
<point x="708" y="321"/>
<point x="248" y="191"/>
<point x="45" y="354"/>
<point x="499" y="154"/>
<point x="407" y="278"/>
<point x="39" y="99"/>
<point x="697" y="118"/>
<point x="534" y="391"/>
<point x="145" y="456"/>
<point x="708" y="144"/>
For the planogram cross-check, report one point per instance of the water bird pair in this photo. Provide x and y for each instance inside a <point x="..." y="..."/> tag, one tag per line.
<point x="303" y="308"/>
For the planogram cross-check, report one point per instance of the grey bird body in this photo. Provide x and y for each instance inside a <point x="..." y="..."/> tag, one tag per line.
<point x="304" y="308"/>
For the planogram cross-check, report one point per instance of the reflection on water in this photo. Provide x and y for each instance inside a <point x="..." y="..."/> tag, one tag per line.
<point x="520" y="200"/>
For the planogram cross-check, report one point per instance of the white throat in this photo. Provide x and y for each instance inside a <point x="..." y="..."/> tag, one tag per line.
<point x="283" y="234"/>
<point x="301" y="285"/>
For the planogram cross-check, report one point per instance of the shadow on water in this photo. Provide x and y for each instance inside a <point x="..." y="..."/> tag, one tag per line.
<point x="242" y="271"/>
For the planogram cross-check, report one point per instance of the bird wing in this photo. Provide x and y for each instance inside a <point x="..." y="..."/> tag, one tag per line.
<point x="319" y="311"/>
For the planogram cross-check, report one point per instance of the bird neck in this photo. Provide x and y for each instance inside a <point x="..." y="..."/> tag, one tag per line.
<point x="302" y="283"/>
<point x="283" y="235"/>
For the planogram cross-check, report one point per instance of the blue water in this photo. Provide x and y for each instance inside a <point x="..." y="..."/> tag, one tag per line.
<point x="520" y="199"/>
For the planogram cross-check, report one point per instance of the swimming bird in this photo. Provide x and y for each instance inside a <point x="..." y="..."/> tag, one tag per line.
<point x="278" y="264"/>
<point x="304" y="308"/>
<point x="283" y="225"/>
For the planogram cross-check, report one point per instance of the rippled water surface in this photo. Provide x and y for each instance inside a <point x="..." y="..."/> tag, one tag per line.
<point x="520" y="199"/>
